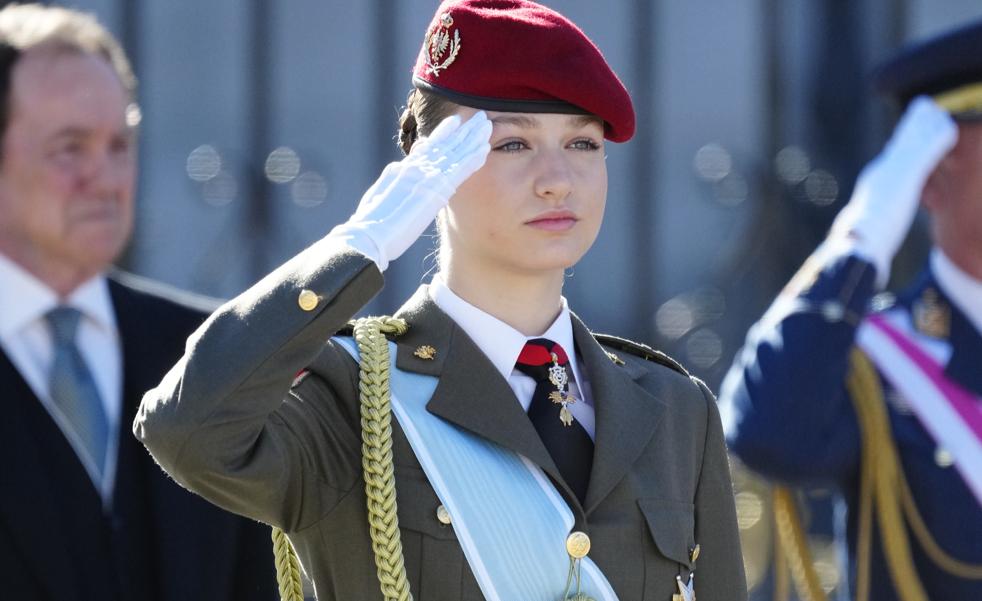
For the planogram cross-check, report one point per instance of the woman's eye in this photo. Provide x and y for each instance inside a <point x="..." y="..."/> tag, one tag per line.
<point x="513" y="146"/>
<point x="585" y="145"/>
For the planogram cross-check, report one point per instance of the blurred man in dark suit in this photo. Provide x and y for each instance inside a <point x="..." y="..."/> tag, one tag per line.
<point x="85" y="513"/>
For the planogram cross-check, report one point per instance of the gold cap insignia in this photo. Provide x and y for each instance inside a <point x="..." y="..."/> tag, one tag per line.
<point x="426" y="352"/>
<point x="932" y="316"/>
<point x="439" y="50"/>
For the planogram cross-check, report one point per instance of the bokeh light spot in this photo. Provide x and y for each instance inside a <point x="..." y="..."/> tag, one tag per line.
<point x="792" y="165"/>
<point x="220" y="190"/>
<point x="704" y="348"/>
<point x="282" y="165"/>
<point x="712" y="162"/>
<point x="203" y="163"/>
<point x="674" y="319"/>
<point x="821" y="188"/>
<point x="309" y="189"/>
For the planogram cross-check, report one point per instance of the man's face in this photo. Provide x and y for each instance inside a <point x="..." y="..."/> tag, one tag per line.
<point x="953" y="196"/>
<point x="67" y="167"/>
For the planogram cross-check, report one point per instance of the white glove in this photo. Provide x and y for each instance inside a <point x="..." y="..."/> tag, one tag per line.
<point x="888" y="190"/>
<point x="406" y="198"/>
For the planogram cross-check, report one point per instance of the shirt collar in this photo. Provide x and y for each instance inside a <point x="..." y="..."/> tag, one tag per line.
<point x="24" y="299"/>
<point x="496" y="339"/>
<point x="962" y="289"/>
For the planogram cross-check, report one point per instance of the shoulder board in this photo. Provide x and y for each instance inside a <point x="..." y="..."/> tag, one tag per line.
<point x="640" y="350"/>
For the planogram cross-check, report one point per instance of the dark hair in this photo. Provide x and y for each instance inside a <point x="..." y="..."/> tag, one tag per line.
<point x="59" y="30"/>
<point x="424" y="111"/>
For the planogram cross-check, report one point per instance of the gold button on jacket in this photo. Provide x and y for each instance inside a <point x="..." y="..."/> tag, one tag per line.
<point x="308" y="300"/>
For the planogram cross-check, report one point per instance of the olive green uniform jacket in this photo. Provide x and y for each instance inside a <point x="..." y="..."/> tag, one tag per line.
<point x="230" y="423"/>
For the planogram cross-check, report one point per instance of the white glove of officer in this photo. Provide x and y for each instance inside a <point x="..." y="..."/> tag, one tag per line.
<point x="888" y="190"/>
<point x="406" y="198"/>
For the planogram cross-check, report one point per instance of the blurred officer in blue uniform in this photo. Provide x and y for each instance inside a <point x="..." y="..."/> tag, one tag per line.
<point x="883" y="400"/>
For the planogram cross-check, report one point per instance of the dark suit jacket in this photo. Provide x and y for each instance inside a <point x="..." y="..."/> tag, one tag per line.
<point x="225" y="425"/>
<point x="160" y="543"/>
<point x="789" y="417"/>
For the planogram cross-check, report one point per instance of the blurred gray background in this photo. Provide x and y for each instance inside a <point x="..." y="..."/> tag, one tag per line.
<point x="263" y="122"/>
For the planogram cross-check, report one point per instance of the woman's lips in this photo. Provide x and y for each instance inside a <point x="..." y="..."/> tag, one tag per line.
<point x="554" y="221"/>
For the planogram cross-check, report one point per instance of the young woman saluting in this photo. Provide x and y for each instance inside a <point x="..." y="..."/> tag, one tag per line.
<point x="531" y="460"/>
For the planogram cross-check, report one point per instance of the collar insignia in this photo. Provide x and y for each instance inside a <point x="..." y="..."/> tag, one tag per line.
<point x="425" y="352"/>
<point x="932" y="316"/>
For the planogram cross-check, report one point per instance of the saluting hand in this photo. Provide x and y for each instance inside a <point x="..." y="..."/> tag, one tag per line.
<point x="406" y="198"/>
<point x="888" y="190"/>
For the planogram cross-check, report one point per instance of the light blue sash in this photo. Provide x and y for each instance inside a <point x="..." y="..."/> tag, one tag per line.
<point x="509" y="519"/>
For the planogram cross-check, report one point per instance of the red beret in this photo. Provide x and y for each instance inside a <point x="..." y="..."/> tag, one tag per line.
<point x="519" y="56"/>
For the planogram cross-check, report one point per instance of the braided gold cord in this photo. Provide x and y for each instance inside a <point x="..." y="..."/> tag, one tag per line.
<point x="782" y="573"/>
<point x="791" y="537"/>
<point x="380" y="490"/>
<point x="287" y="567"/>
<point x="376" y="424"/>
<point x="883" y="487"/>
<point x="946" y="562"/>
<point x="886" y="474"/>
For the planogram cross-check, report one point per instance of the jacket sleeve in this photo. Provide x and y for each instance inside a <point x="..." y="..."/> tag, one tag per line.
<point x="720" y="558"/>
<point x="785" y="409"/>
<point x="224" y="422"/>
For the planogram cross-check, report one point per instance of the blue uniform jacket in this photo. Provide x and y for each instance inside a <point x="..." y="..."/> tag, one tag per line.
<point x="787" y="415"/>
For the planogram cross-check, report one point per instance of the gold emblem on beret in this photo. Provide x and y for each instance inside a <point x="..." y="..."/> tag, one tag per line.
<point x="931" y="315"/>
<point x="439" y="50"/>
<point x="426" y="352"/>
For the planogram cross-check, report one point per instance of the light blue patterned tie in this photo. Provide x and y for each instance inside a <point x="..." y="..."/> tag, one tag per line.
<point x="74" y="392"/>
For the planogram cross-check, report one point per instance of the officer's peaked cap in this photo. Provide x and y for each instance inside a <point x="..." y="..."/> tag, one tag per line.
<point x="947" y="67"/>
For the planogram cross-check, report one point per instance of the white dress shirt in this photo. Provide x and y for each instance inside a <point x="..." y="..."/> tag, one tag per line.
<point x="962" y="289"/>
<point x="25" y="338"/>
<point x="502" y="344"/>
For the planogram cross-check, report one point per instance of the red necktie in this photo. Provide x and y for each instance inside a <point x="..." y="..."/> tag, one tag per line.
<point x="569" y="444"/>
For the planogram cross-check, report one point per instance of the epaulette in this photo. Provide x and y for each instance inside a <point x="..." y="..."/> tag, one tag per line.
<point x="640" y="350"/>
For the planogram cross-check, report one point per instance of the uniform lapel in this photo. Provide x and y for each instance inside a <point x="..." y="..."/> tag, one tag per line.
<point x="471" y="393"/>
<point x="965" y="366"/>
<point x="626" y="416"/>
